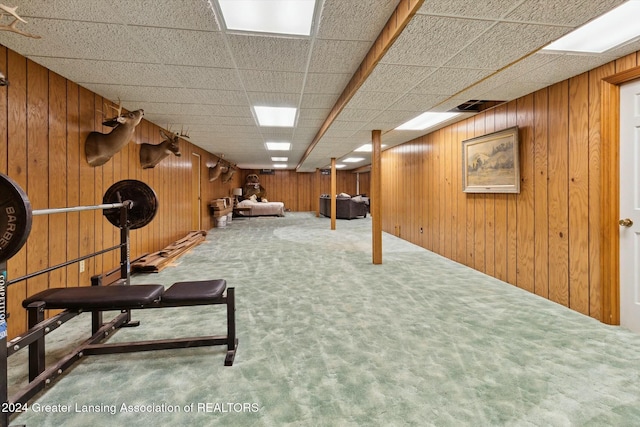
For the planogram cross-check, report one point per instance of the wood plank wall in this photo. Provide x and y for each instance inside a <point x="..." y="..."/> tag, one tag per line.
<point x="44" y="120"/>
<point x="546" y="239"/>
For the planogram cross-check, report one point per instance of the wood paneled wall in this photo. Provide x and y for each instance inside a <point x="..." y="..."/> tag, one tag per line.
<point x="44" y="120"/>
<point x="546" y="239"/>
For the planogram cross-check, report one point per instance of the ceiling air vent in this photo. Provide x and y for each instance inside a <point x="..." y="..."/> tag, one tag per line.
<point x="475" y="106"/>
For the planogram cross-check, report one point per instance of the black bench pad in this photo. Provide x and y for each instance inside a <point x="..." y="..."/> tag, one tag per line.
<point x="98" y="297"/>
<point x="200" y="291"/>
<point x="127" y="297"/>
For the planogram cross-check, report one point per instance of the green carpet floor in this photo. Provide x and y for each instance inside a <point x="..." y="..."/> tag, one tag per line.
<point x="329" y="339"/>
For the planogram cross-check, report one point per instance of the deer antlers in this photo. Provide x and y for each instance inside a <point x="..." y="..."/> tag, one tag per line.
<point x="11" y="12"/>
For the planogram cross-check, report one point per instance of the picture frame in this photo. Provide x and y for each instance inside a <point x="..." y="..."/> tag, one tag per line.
<point x="491" y="163"/>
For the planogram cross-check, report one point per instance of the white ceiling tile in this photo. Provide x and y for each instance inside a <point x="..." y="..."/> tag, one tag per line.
<point x="485" y="9"/>
<point x="269" y="53"/>
<point x="498" y="47"/>
<point x="448" y="81"/>
<point x="318" y="100"/>
<point x="373" y="100"/>
<point x="417" y="102"/>
<point x="274" y="99"/>
<point x="206" y="77"/>
<point x="431" y="40"/>
<point x="326" y="83"/>
<point x="183" y="47"/>
<point x="341" y="19"/>
<point x="272" y="81"/>
<point x="395" y="78"/>
<point x="566" y="13"/>
<point x="337" y="56"/>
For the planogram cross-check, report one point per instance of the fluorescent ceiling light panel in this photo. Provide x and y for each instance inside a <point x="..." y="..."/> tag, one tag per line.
<point x="353" y="159"/>
<point x="606" y="32"/>
<point x="426" y="120"/>
<point x="278" y="146"/>
<point x="340" y="166"/>
<point x="280" y="165"/>
<point x="279" y="159"/>
<point x="293" y="17"/>
<point x="275" y="116"/>
<point x="367" y="148"/>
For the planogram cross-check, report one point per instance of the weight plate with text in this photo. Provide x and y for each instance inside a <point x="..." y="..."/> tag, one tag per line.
<point x="144" y="200"/>
<point x="15" y="217"/>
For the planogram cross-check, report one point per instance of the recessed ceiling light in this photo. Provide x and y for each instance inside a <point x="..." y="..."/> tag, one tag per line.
<point x="280" y="165"/>
<point x="353" y="159"/>
<point x="278" y="146"/>
<point x="367" y="148"/>
<point x="426" y="120"/>
<point x="340" y="166"/>
<point x="272" y="16"/>
<point x="279" y="159"/>
<point x="275" y="116"/>
<point x="606" y="32"/>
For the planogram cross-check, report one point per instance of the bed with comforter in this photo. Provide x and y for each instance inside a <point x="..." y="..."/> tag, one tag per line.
<point x="256" y="208"/>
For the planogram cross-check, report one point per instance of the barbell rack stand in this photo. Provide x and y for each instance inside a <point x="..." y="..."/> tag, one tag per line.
<point x="125" y="268"/>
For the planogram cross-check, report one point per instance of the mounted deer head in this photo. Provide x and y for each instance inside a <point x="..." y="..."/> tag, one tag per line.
<point x="100" y="147"/>
<point x="226" y="176"/>
<point x="217" y="169"/>
<point x="11" y="12"/>
<point x="151" y="155"/>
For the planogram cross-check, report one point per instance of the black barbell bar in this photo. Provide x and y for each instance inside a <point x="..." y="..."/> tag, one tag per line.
<point x="16" y="215"/>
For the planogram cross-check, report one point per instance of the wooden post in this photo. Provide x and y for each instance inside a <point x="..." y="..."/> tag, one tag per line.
<point x="316" y="187"/>
<point x="375" y="199"/>
<point x="333" y="193"/>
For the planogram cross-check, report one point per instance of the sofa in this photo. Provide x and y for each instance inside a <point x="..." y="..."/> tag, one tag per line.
<point x="347" y="207"/>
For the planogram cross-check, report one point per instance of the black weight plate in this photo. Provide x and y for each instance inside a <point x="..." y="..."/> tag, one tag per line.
<point x="145" y="203"/>
<point x="15" y="217"/>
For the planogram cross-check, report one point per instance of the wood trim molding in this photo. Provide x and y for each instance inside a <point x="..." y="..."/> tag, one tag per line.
<point x="610" y="186"/>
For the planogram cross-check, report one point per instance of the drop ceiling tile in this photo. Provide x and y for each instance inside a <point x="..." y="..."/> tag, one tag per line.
<point x="447" y="81"/>
<point x="112" y="73"/>
<point x="63" y="40"/>
<point x="326" y="83"/>
<point x="269" y="53"/>
<point x="392" y="119"/>
<point x="184" y="47"/>
<point x="512" y="90"/>
<point x="317" y="100"/>
<point x="373" y="100"/>
<point x="417" y="102"/>
<point x="274" y="99"/>
<point x="206" y="77"/>
<point x="486" y="9"/>
<point x="188" y="14"/>
<point x="498" y="47"/>
<point x="314" y="113"/>
<point x="395" y="78"/>
<point x="272" y="81"/>
<point x="432" y="40"/>
<point x="337" y="56"/>
<point x="569" y="14"/>
<point x="354" y="19"/>
<point x="357" y="114"/>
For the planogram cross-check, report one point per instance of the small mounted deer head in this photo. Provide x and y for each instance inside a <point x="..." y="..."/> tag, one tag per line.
<point x="226" y="176"/>
<point x="216" y="170"/>
<point x="11" y="13"/>
<point x="100" y="147"/>
<point x="151" y="155"/>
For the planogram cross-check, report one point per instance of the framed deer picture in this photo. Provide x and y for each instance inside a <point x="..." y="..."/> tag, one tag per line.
<point x="490" y="163"/>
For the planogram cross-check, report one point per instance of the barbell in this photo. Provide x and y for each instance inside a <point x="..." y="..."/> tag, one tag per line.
<point x="16" y="215"/>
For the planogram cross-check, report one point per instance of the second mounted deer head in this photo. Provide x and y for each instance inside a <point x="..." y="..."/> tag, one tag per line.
<point x="151" y="155"/>
<point x="100" y="147"/>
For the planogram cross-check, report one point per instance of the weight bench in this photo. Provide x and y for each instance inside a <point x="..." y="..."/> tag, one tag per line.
<point x="124" y="298"/>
